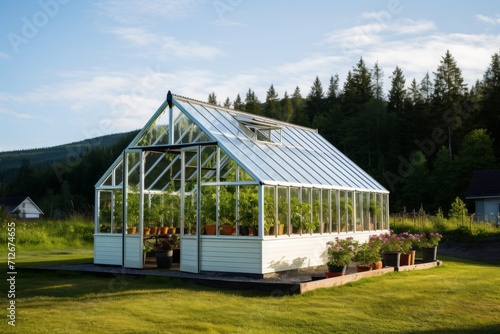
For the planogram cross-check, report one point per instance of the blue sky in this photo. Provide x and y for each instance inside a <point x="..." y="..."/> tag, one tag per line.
<point x="72" y="69"/>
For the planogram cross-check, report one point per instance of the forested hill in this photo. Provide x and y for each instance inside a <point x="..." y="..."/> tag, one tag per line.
<point x="60" y="179"/>
<point x="12" y="160"/>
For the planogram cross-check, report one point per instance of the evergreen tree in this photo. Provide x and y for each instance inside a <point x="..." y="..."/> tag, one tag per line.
<point x="448" y="97"/>
<point x="358" y="88"/>
<point x="314" y="103"/>
<point x="227" y="103"/>
<point x="443" y="180"/>
<point x="212" y="98"/>
<point x="297" y="104"/>
<point x="252" y="103"/>
<point x="287" y="108"/>
<point x="415" y="94"/>
<point x="426" y="88"/>
<point x="271" y="107"/>
<point x="490" y="101"/>
<point x="397" y="93"/>
<point x="415" y="192"/>
<point x="476" y="153"/>
<point x="238" y="103"/>
<point x="378" y="75"/>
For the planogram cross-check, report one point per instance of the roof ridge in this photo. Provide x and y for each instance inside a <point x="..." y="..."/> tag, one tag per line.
<point x="240" y="112"/>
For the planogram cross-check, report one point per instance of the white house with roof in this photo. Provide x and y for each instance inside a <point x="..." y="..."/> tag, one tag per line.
<point x="21" y="207"/>
<point x="246" y="194"/>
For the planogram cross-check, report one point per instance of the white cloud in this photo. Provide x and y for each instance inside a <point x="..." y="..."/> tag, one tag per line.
<point x="487" y="19"/>
<point x="4" y="55"/>
<point x="165" y="46"/>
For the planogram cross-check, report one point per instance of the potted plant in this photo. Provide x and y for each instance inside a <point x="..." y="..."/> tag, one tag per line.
<point x="366" y="255"/>
<point x="428" y="242"/>
<point x="391" y="247"/>
<point x="406" y="253"/>
<point x="164" y="252"/>
<point x="340" y="254"/>
<point x="376" y="243"/>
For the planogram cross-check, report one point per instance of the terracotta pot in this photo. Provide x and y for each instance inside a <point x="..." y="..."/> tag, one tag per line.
<point x="163" y="230"/>
<point x="377" y="265"/>
<point x="228" y="229"/>
<point x="152" y="230"/>
<point x="210" y="229"/>
<point x="132" y="230"/>
<point x="146" y="230"/>
<point x="337" y="269"/>
<point x="361" y="268"/>
<point x="330" y="275"/>
<point x="281" y="229"/>
<point x="413" y="253"/>
<point x="405" y="259"/>
<point x="172" y="230"/>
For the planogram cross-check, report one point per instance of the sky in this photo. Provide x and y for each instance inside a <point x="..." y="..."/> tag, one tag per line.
<point x="72" y="70"/>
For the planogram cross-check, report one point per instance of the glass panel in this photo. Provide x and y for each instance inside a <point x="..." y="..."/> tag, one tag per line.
<point x="295" y="210"/>
<point x="227" y="168"/>
<point x="244" y="176"/>
<point x="248" y="209"/>
<point x="227" y="209"/>
<point x="306" y="207"/>
<point x="208" y="209"/>
<point x="105" y="211"/>
<point x="133" y="193"/>
<point x="108" y="181"/>
<point x="325" y="211"/>
<point x="368" y="224"/>
<point x="344" y="211"/>
<point x="157" y="133"/>
<point x="359" y="211"/>
<point x="190" y="211"/>
<point x="269" y="211"/>
<point x="119" y="173"/>
<point x="117" y="211"/>
<point x="375" y="211"/>
<point x="350" y="211"/>
<point x="209" y="163"/>
<point x="317" y="224"/>
<point x="283" y="210"/>
<point x="157" y="170"/>
<point x="335" y="207"/>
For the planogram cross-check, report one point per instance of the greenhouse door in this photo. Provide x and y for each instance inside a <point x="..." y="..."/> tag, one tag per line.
<point x="133" y="199"/>
<point x="190" y="213"/>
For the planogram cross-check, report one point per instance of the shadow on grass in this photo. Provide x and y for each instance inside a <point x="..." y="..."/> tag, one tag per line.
<point x="487" y="329"/>
<point x="63" y="284"/>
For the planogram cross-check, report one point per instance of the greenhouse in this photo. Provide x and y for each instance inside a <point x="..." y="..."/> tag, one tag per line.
<point x="244" y="193"/>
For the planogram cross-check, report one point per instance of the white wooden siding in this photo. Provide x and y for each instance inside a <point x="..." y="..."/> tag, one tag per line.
<point x="189" y="262"/>
<point x="108" y="249"/>
<point x="231" y="255"/>
<point x="133" y="251"/>
<point x="287" y="253"/>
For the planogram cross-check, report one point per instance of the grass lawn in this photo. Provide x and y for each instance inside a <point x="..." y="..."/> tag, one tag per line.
<point x="460" y="297"/>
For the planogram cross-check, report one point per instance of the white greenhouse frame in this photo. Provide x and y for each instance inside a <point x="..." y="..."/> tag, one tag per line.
<point x="281" y="190"/>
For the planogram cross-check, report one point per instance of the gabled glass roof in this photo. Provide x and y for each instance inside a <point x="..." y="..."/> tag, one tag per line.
<point x="304" y="158"/>
<point x="268" y="151"/>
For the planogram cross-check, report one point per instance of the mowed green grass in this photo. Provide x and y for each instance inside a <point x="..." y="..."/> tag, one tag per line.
<point x="460" y="297"/>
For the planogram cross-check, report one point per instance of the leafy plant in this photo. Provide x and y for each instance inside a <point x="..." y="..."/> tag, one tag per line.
<point x="341" y="251"/>
<point x="367" y="253"/>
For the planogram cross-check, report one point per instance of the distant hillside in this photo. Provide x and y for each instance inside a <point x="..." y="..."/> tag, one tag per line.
<point x="11" y="161"/>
